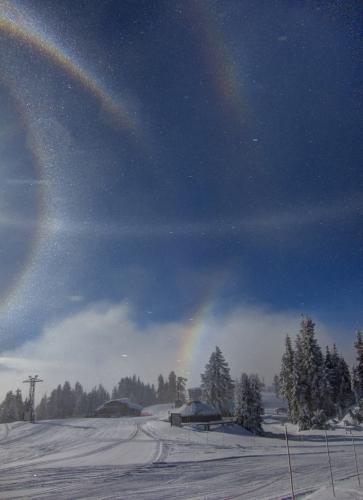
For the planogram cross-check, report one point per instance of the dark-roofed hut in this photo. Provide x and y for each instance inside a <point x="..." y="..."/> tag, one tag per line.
<point x="197" y="411"/>
<point x="119" y="408"/>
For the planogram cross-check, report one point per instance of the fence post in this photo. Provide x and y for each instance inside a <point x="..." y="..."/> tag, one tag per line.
<point x="331" y="472"/>
<point x="356" y="461"/>
<point x="290" y="470"/>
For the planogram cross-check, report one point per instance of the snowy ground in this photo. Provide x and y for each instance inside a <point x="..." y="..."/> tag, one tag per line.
<point x="144" y="458"/>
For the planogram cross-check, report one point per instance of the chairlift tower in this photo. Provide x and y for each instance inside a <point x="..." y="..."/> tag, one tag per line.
<point x="32" y="381"/>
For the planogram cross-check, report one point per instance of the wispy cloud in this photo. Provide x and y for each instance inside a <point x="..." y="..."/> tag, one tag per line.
<point x="258" y="223"/>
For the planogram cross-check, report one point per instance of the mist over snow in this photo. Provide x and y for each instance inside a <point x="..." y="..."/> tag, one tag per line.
<point x="102" y="343"/>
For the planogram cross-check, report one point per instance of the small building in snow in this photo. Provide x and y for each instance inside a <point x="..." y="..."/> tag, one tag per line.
<point x="197" y="411"/>
<point x="119" y="408"/>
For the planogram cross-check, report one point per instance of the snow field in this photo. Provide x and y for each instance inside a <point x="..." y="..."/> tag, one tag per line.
<point x="145" y="458"/>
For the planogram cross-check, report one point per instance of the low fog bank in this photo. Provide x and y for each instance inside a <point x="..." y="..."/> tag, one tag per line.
<point x="102" y="343"/>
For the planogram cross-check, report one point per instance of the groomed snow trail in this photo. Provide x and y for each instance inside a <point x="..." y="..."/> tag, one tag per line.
<point x="144" y="458"/>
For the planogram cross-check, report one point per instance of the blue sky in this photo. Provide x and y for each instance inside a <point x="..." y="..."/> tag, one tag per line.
<point x="165" y="154"/>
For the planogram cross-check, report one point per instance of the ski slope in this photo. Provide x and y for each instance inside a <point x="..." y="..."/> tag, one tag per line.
<point x="144" y="458"/>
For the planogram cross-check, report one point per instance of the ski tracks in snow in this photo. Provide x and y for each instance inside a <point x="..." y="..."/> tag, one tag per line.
<point x="162" y="451"/>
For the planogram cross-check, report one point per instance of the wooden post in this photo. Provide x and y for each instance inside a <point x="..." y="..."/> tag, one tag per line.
<point x="356" y="461"/>
<point x="331" y="472"/>
<point x="289" y="460"/>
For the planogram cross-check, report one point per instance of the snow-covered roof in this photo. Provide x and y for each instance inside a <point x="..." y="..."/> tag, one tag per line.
<point x="196" y="408"/>
<point x="124" y="401"/>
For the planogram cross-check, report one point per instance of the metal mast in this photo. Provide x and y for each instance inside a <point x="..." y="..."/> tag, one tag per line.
<point x="32" y="381"/>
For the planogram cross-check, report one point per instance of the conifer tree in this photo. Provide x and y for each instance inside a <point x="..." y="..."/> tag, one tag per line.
<point x="96" y="398"/>
<point x="345" y="396"/>
<point x="356" y="384"/>
<point x="309" y="377"/>
<point x="134" y="389"/>
<point x="161" y="390"/>
<point x="80" y="400"/>
<point x="181" y="389"/>
<point x="287" y="376"/>
<point x="54" y="403"/>
<point x="217" y="385"/>
<point x="42" y="408"/>
<point x="339" y="393"/>
<point x="257" y="409"/>
<point x="248" y="403"/>
<point x="332" y="383"/>
<point x="242" y="400"/>
<point x="67" y="400"/>
<point x="20" y="410"/>
<point x="359" y="367"/>
<point x="276" y="385"/>
<point x="172" y="389"/>
<point x="8" y="410"/>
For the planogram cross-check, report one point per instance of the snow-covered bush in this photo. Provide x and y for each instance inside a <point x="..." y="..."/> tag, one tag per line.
<point x="319" y="420"/>
<point x="356" y="413"/>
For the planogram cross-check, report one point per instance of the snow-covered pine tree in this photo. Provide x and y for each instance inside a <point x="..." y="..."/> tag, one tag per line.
<point x="242" y="400"/>
<point x="338" y="383"/>
<point x="67" y="400"/>
<point x="102" y="395"/>
<point x="20" y="410"/>
<point x="134" y="389"/>
<point x="8" y="409"/>
<point x="80" y="400"/>
<point x="276" y="385"/>
<point x="162" y="390"/>
<point x="181" y="389"/>
<point x="96" y="398"/>
<point x="332" y="383"/>
<point x="355" y="384"/>
<point x="359" y="367"/>
<point x="54" y="403"/>
<point x="309" y="377"/>
<point x="257" y="408"/>
<point x="286" y="381"/>
<point x="248" y="403"/>
<point x="217" y="385"/>
<point x="335" y="360"/>
<point x="345" y="396"/>
<point x="41" y="410"/>
<point x="172" y="389"/>
<point x="296" y="409"/>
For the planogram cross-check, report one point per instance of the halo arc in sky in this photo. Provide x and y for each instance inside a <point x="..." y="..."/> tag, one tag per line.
<point x="41" y="196"/>
<point x="15" y="24"/>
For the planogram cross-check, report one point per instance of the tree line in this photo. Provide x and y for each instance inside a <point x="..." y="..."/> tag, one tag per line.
<point x="241" y="398"/>
<point x="168" y="390"/>
<point x="317" y="386"/>
<point x="66" y="401"/>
